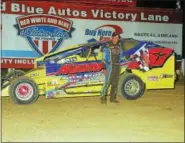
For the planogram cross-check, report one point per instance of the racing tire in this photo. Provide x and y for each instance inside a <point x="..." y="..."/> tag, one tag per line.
<point x="131" y="87"/>
<point x="23" y="90"/>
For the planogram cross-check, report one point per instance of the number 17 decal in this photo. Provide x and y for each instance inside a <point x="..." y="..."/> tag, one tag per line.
<point x="158" y="56"/>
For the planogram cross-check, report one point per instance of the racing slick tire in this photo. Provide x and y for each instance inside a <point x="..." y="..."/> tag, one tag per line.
<point x="23" y="90"/>
<point x="131" y="86"/>
<point x="6" y="80"/>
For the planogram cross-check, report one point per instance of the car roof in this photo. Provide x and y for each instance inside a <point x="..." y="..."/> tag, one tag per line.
<point x="91" y="44"/>
<point x="77" y="46"/>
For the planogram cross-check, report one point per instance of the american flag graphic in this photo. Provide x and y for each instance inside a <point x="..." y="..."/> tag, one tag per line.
<point x="138" y="57"/>
<point x="45" y="46"/>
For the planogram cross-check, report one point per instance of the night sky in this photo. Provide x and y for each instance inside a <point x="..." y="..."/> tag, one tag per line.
<point x="159" y="3"/>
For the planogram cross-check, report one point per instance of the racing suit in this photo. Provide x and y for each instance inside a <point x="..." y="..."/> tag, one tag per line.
<point x="112" y="57"/>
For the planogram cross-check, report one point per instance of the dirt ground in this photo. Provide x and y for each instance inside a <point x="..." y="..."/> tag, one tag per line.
<point x="157" y="117"/>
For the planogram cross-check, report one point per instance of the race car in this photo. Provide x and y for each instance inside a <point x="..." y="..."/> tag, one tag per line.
<point x="80" y="71"/>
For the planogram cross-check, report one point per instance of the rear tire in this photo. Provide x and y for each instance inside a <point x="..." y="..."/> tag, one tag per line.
<point x="131" y="86"/>
<point x="23" y="90"/>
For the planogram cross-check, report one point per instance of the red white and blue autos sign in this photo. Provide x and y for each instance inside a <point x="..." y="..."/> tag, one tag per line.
<point x="45" y="33"/>
<point x="31" y="29"/>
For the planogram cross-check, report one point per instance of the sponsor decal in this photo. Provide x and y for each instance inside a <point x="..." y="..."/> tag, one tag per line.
<point x="55" y="82"/>
<point x="153" y="78"/>
<point x="67" y="60"/>
<point x="166" y="76"/>
<point x="87" y="76"/>
<point x="50" y="94"/>
<point x="80" y="68"/>
<point x="45" y="33"/>
<point x="83" y="79"/>
<point x="52" y="61"/>
<point x="34" y="74"/>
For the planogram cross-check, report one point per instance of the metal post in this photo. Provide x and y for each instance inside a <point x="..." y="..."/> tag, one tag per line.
<point x="183" y="39"/>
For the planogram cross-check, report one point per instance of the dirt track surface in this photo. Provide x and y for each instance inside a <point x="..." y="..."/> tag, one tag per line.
<point x="158" y="116"/>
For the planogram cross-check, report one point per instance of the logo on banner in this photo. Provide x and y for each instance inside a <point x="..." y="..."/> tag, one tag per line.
<point x="104" y="32"/>
<point x="45" y="33"/>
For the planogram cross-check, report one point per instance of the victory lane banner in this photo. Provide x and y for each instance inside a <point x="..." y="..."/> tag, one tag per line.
<point x="69" y="10"/>
<point x="36" y="28"/>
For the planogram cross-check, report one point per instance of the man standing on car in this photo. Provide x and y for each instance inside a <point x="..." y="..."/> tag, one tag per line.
<point x="111" y="57"/>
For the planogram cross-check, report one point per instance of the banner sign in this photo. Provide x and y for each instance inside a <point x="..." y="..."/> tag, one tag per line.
<point x="44" y="32"/>
<point x="32" y="29"/>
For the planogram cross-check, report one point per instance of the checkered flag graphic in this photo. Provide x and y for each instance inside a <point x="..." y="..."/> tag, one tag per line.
<point x="138" y="57"/>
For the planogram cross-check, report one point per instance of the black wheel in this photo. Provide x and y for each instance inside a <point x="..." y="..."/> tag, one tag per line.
<point x="131" y="87"/>
<point x="6" y="80"/>
<point x="23" y="90"/>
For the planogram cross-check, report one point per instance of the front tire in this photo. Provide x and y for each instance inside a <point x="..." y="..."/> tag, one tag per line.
<point x="131" y="87"/>
<point x="23" y="90"/>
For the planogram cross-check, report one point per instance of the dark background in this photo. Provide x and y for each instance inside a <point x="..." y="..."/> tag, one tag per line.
<point x="159" y="3"/>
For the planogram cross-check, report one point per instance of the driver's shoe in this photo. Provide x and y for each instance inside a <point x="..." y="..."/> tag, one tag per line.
<point x="114" y="101"/>
<point x="103" y="100"/>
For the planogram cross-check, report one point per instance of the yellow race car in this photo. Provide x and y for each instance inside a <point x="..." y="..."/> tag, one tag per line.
<point x="80" y="71"/>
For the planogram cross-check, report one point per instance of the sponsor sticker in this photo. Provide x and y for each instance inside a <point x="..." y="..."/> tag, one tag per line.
<point x="166" y="76"/>
<point x="67" y="60"/>
<point x="34" y="74"/>
<point x="153" y="78"/>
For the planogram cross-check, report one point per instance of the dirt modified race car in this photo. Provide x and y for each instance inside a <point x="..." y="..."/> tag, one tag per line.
<point x="80" y="71"/>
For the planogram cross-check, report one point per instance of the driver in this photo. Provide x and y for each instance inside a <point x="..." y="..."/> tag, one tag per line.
<point x="111" y="56"/>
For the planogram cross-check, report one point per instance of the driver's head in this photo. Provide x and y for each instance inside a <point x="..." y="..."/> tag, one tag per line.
<point x="115" y="37"/>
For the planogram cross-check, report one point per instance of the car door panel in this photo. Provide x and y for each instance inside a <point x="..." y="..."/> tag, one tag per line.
<point x="77" y="73"/>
